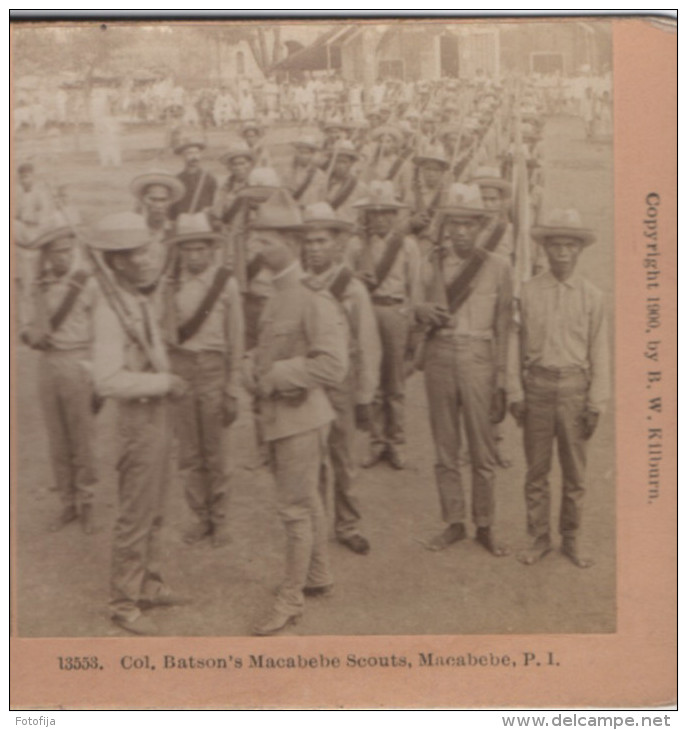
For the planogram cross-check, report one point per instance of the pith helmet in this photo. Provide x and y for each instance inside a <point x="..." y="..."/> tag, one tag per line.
<point x="279" y="212"/>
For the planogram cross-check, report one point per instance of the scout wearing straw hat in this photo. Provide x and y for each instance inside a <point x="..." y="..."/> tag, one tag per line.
<point x="302" y="349"/>
<point x="130" y="365"/>
<point x="428" y="188"/>
<point x="564" y="382"/>
<point x="324" y="238"/>
<point x="306" y="181"/>
<point x="343" y="185"/>
<point x="390" y="262"/>
<point x="199" y="184"/>
<point x="57" y="320"/>
<point x="465" y="361"/>
<point x="496" y="195"/>
<point x="206" y="353"/>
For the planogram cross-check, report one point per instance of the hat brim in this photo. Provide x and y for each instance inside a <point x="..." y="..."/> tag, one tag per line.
<point x="209" y="236"/>
<point x="422" y="159"/>
<point x="258" y="193"/>
<point x="49" y="236"/>
<point x="328" y="223"/>
<point x="120" y="241"/>
<point x="176" y="187"/>
<point x="493" y="182"/>
<point x="365" y="205"/>
<point x="229" y="156"/>
<point x="585" y="235"/>
<point x="182" y="147"/>
<point x="467" y="211"/>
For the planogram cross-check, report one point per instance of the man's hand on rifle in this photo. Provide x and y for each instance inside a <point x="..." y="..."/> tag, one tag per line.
<point x="518" y="410"/>
<point x="434" y="315"/>
<point x="178" y="388"/>
<point x="230" y="410"/>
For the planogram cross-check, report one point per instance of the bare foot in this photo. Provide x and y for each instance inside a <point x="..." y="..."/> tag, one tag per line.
<point x="540" y="548"/>
<point x="486" y="539"/>
<point x="569" y="549"/>
<point x="453" y="533"/>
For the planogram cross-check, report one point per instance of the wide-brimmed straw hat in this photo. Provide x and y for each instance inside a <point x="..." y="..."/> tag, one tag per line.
<point x="380" y="196"/>
<point x="279" y="212"/>
<point x="322" y="215"/>
<point x="158" y="177"/>
<point x="125" y="231"/>
<point x="346" y="148"/>
<point x="463" y="200"/>
<point x="306" y="140"/>
<point x="194" y="227"/>
<point x="433" y="153"/>
<point x="238" y="149"/>
<point x="58" y="225"/>
<point x="187" y="142"/>
<point x="489" y="176"/>
<point x="561" y="222"/>
<point x="389" y="129"/>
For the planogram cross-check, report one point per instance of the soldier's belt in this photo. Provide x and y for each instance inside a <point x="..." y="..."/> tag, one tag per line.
<point x="556" y="372"/>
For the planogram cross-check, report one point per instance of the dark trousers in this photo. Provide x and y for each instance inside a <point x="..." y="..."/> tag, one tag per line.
<point x="388" y="425"/>
<point x="143" y="467"/>
<point x="200" y="431"/>
<point x="460" y="378"/>
<point x="66" y="398"/>
<point x="555" y="401"/>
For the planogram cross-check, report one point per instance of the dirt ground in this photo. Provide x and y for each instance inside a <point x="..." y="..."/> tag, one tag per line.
<point x="61" y="579"/>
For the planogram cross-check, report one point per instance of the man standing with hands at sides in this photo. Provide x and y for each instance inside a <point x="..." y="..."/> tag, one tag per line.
<point x="130" y="365"/>
<point x="389" y="262"/>
<point x="324" y="238"/>
<point x="563" y="383"/>
<point x="302" y="349"/>
<point x="207" y="353"/>
<point x="468" y="310"/>
<point x="199" y="184"/>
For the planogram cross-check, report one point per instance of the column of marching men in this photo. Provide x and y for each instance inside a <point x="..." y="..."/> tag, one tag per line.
<point x="382" y="249"/>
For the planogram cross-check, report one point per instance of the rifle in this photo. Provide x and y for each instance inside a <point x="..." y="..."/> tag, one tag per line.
<point x="110" y="289"/>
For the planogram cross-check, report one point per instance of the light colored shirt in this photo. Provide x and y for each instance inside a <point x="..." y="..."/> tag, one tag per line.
<point x="564" y="324"/>
<point x="404" y="280"/>
<point x="487" y="312"/>
<point x="366" y="347"/>
<point x="46" y="295"/>
<point x="223" y="329"/>
<point x="303" y="344"/>
<point x="121" y="369"/>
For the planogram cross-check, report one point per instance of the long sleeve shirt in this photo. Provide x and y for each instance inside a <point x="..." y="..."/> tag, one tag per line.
<point x="120" y="367"/>
<point x="44" y="299"/>
<point x="223" y="328"/>
<point x="404" y="280"/>
<point x="303" y="344"/>
<point x="487" y="312"/>
<point x="366" y="346"/>
<point x="564" y="324"/>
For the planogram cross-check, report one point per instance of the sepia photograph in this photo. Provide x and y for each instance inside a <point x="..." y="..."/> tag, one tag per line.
<point x="313" y="328"/>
